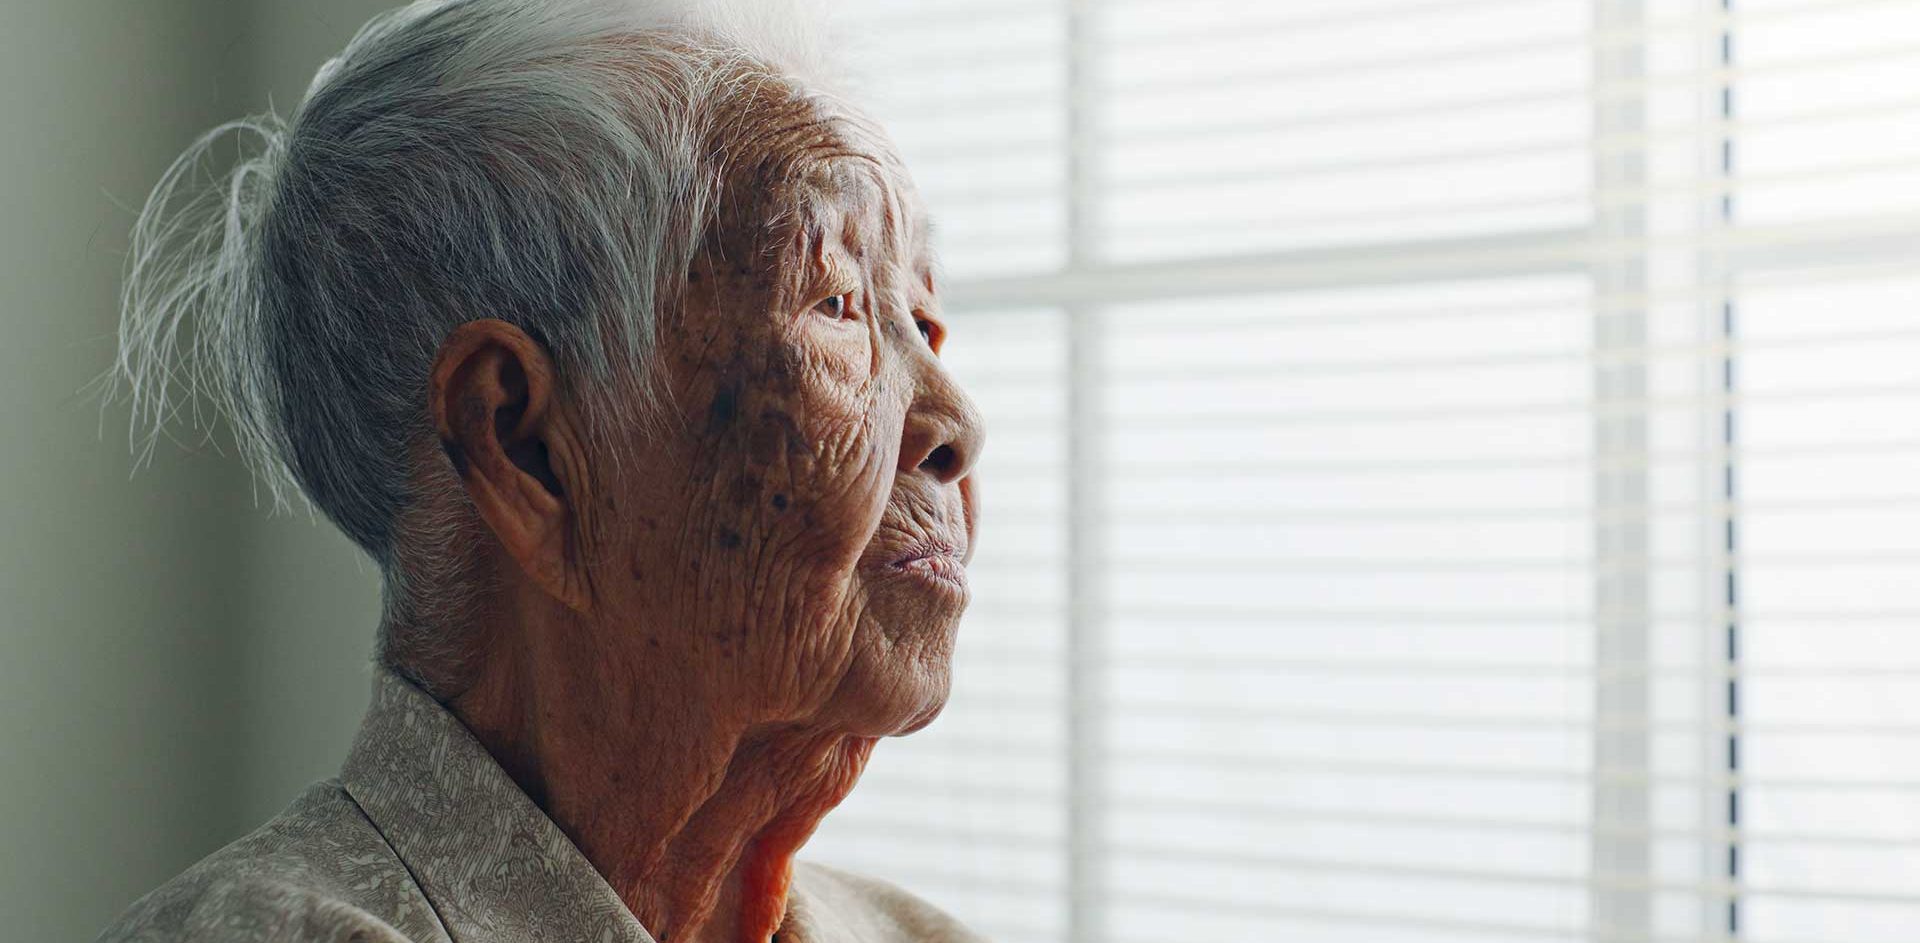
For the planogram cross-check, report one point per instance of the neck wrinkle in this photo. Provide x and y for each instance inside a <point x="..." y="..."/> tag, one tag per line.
<point x="729" y="864"/>
<point x="693" y="819"/>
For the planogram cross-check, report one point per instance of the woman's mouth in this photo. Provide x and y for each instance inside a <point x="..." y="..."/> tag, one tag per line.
<point x="933" y="562"/>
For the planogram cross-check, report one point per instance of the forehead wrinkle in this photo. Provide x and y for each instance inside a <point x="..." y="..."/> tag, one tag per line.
<point x="794" y="153"/>
<point x="864" y="187"/>
<point x="853" y="202"/>
<point x="909" y="232"/>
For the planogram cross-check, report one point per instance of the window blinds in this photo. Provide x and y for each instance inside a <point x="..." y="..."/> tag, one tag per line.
<point x="1453" y="469"/>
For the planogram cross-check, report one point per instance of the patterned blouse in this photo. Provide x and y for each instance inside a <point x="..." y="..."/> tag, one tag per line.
<point x="423" y="837"/>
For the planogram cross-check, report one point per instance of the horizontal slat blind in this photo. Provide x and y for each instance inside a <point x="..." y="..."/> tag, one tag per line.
<point x="1490" y="430"/>
<point x="1368" y="734"/>
<point x="972" y="813"/>
<point x="1328" y="127"/>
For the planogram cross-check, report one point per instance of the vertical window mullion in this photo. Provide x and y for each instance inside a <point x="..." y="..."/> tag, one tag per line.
<point x="1621" y="847"/>
<point x="1087" y="763"/>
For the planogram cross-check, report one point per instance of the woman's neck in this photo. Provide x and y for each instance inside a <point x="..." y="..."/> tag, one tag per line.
<point x="721" y="873"/>
<point x="692" y="816"/>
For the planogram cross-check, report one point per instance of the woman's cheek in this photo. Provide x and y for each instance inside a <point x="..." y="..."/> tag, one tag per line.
<point x="826" y="367"/>
<point x="836" y="356"/>
<point x="844" y="480"/>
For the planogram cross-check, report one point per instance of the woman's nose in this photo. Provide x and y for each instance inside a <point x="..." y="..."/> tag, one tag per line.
<point x="943" y="432"/>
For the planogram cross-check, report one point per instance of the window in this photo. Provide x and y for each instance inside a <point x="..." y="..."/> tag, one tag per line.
<point x="1453" y="469"/>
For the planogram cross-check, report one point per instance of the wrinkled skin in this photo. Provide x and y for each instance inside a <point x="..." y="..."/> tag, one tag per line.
<point x="692" y="650"/>
<point x="803" y="472"/>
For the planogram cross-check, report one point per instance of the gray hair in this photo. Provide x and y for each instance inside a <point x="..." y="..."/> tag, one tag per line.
<point x="545" y="162"/>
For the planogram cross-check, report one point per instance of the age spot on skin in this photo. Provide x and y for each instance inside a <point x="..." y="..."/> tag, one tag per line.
<point x="779" y="502"/>
<point x="726" y="405"/>
<point x="729" y="540"/>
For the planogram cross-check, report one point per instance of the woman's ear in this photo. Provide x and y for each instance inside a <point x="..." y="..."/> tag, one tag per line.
<point x="493" y="399"/>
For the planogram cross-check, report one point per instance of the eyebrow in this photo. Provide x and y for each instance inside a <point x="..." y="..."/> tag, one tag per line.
<point x="929" y="251"/>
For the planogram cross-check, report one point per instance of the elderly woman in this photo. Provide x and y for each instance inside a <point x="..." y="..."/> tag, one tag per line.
<point x="611" y="335"/>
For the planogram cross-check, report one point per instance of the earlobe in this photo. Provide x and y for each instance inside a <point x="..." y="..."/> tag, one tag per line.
<point x="491" y="395"/>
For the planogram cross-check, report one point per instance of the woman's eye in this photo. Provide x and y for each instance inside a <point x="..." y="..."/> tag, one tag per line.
<point x="835" y="307"/>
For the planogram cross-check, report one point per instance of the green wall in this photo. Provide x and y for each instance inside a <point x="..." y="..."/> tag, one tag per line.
<point x="174" y="664"/>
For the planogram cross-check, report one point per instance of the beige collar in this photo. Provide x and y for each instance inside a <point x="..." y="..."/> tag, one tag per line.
<point x="490" y="862"/>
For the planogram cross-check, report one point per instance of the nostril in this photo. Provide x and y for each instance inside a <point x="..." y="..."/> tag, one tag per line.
<point x="940" y="461"/>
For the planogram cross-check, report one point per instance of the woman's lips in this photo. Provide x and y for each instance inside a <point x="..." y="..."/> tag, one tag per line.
<point x="935" y="562"/>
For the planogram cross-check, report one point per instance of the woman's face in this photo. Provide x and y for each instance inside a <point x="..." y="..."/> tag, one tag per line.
<point x="795" y="538"/>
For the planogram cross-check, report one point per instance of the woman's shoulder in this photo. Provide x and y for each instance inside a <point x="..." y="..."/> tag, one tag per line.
<point x="829" y="904"/>
<point x="317" y="871"/>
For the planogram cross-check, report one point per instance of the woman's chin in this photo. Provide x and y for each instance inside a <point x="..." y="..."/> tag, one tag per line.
<point x="898" y="697"/>
<point x="909" y="709"/>
<point x="923" y="719"/>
